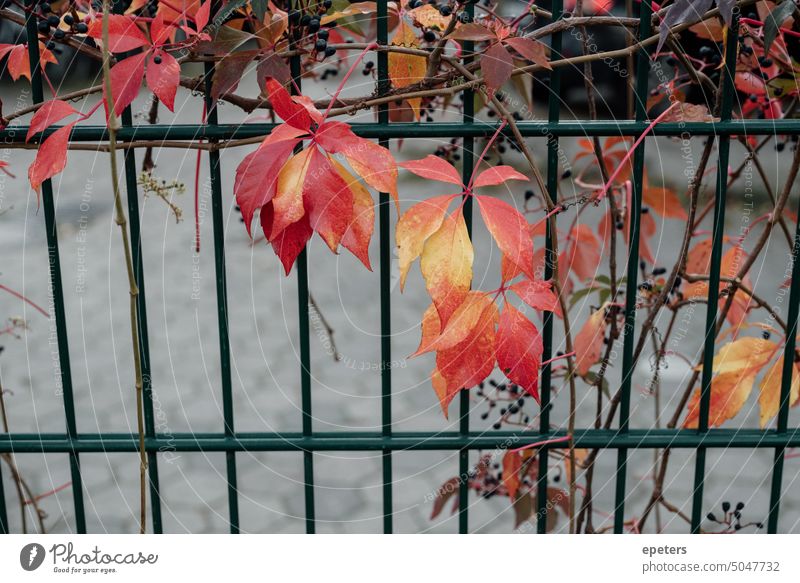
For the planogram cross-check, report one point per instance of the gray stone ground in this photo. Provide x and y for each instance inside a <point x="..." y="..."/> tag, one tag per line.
<point x="263" y="322"/>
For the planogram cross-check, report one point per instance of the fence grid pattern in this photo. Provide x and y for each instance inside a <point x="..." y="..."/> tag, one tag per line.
<point x="73" y="443"/>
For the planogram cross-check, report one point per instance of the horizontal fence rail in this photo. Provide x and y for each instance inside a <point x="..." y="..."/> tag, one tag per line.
<point x="214" y="136"/>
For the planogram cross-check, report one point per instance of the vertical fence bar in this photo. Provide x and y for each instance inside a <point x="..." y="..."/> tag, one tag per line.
<point x="468" y="156"/>
<point x="726" y="106"/>
<point x="65" y="372"/>
<point x="385" y="209"/>
<point x="789" y="366"/>
<point x="303" y="325"/>
<point x="631" y="287"/>
<point x="222" y="303"/>
<point x="553" y="115"/>
<point x="141" y="312"/>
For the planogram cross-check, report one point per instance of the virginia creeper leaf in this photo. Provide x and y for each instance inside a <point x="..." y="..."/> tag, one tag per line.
<point x="497" y="175"/>
<point x="519" y="350"/>
<point x="447" y="265"/>
<point x="589" y="341"/>
<point x="163" y="78"/>
<point x="49" y="113"/>
<point x="496" y="66"/>
<point x="433" y="168"/>
<point x="51" y="157"/>
<point x="509" y="230"/>
<point x="415" y="226"/>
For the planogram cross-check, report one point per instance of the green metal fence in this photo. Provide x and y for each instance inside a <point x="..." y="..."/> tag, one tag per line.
<point x="73" y="443"/>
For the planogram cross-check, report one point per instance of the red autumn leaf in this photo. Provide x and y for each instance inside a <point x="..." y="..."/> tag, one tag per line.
<point x="257" y="175"/>
<point x="530" y="49"/>
<point x="49" y="113"/>
<point x="538" y="295"/>
<point x="468" y="363"/>
<point x="433" y="168"/>
<point x="289" y="111"/>
<point x="519" y="350"/>
<point x="512" y="464"/>
<point x="496" y="66"/>
<point x="202" y="15"/>
<point x="163" y="77"/>
<point x="160" y="32"/>
<point x="362" y="223"/>
<point x="510" y="231"/>
<point x="446" y="265"/>
<point x="126" y="80"/>
<point x="415" y="226"/>
<point x="372" y="162"/>
<point x="5" y="49"/>
<point x="123" y="33"/>
<point x="497" y="175"/>
<point x="328" y="199"/>
<point x="589" y="341"/>
<point x="19" y="63"/>
<point x="51" y="157"/>
<point x="311" y="185"/>
<point x="291" y="241"/>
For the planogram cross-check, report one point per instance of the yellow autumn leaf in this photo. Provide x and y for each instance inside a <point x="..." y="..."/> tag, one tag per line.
<point x="288" y="200"/>
<point x="729" y="391"/>
<point x="744" y="355"/>
<point x="447" y="265"/>
<point x="415" y="226"/>
<point x="770" y="391"/>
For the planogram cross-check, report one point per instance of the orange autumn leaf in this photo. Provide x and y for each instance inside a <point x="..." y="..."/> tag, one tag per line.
<point x="405" y="70"/>
<point x="729" y="392"/>
<point x="735" y="367"/>
<point x="744" y="355"/>
<point x="446" y="265"/>
<point x="663" y="201"/>
<point x="589" y="341"/>
<point x="463" y="322"/>
<point x="698" y="259"/>
<point x="512" y="464"/>
<point x="769" y="395"/>
<point x="582" y="253"/>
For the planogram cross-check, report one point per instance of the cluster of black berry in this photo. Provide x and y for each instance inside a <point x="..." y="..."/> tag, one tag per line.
<point x="311" y="21"/>
<point x="48" y="20"/>
<point x="510" y="399"/>
<point x="732" y="519"/>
